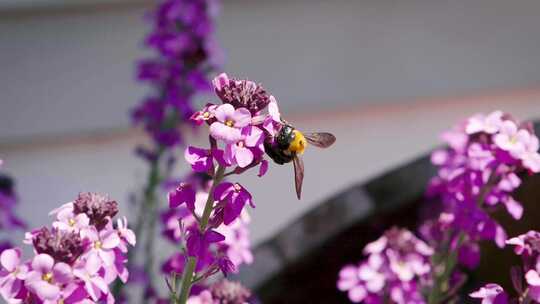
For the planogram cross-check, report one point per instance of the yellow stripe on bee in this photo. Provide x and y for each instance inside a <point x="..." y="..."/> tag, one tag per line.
<point x="298" y="145"/>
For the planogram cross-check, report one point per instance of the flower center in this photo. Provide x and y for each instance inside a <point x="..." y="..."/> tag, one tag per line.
<point x="240" y="144"/>
<point x="206" y="115"/>
<point x="513" y="140"/>
<point x="71" y="222"/>
<point x="229" y="123"/>
<point x="47" y="277"/>
<point x="98" y="244"/>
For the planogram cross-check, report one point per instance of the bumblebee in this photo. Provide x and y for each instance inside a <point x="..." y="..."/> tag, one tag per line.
<point x="290" y="144"/>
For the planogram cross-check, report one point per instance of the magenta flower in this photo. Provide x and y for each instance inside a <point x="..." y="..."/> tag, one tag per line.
<point x="184" y="193"/>
<point x="491" y="294"/>
<point x="229" y="122"/>
<point x="13" y="273"/>
<point x="198" y="243"/>
<point x="69" y="221"/>
<point x="46" y="277"/>
<point x="202" y="160"/>
<point x="232" y="198"/>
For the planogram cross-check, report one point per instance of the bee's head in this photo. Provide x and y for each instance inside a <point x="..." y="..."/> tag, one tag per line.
<point x="299" y="143"/>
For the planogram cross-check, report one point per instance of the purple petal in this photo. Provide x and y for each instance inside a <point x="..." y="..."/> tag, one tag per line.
<point x="62" y="273"/>
<point x="243" y="156"/>
<point x="263" y="168"/>
<point x="222" y="132"/>
<point x="222" y="190"/>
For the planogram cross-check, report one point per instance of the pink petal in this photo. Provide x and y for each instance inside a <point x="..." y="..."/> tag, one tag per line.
<point x="62" y="273"/>
<point x="111" y="240"/>
<point x="10" y="259"/>
<point x="46" y="291"/>
<point x="223" y="112"/>
<point x="357" y="294"/>
<point x="241" y="117"/>
<point x="243" y="156"/>
<point x="42" y="263"/>
<point x="273" y="110"/>
<point x="532" y="278"/>
<point x="222" y="132"/>
<point x="93" y="264"/>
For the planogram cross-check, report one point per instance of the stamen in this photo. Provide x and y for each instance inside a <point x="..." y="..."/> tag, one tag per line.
<point x="47" y="277"/>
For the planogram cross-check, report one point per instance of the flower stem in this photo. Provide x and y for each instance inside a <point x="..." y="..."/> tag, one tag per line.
<point x="448" y="254"/>
<point x="187" y="278"/>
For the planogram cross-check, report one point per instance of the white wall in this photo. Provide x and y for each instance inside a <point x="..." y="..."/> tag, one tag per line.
<point x="71" y="70"/>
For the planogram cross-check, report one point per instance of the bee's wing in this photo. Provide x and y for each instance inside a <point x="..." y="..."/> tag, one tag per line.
<point x="298" y="175"/>
<point x="320" y="139"/>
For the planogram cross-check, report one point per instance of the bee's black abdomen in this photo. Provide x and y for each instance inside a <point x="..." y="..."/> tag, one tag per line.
<point x="276" y="154"/>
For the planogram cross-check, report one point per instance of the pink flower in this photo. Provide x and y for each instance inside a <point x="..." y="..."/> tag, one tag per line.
<point x="46" y="277"/>
<point x="242" y="152"/>
<point x="229" y="122"/>
<point x="126" y="234"/>
<point x="206" y="114"/>
<point x="349" y="281"/>
<point x="88" y="272"/>
<point x="102" y="244"/>
<point x="531" y="157"/>
<point x="12" y="273"/>
<point x="204" y="297"/>
<point x="69" y="221"/>
<point x="480" y="123"/>
<point x="512" y="139"/>
<point x="491" y="294"/>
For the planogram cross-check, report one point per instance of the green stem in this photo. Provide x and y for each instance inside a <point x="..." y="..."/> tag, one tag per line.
<point x="447" y="258"/>
<point x="187" y="278"/>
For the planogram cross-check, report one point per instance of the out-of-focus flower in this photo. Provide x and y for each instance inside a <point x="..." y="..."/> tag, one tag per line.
<point x="491" y="294"/>
<point x="396" y="267"/>
<point x="75" y="261"/>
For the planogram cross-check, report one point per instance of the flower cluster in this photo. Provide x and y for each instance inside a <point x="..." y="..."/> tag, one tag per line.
<point x="397" y="267"/>
<point x="183" y="38"/>
<point x="213" y="214"/>
<point x="480" y="170"/>
<point x="222" y="292"/>
<point x="75" y="261"/>
<point x="528" y="247"/>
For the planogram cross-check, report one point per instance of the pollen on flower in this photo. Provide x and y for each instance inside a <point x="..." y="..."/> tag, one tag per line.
<point x="98" y="244"/>
<point x="47" y="277"/>
<point x="229" y="123"/>
<point x="71" y="222"/>
<point x="206" y="115"/>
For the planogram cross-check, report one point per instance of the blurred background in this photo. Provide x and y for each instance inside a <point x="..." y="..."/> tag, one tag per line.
<point x="385" y="76"/>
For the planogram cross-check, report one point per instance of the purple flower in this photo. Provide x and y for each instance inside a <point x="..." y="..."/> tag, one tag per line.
<point x="491" y="294"/>
<point x="198" y="243"/>
<point x="46" y="277"/>
<point x="229" y="123"/>
<point x="184" y="193"/>
<point x="127" y="236"/>
<point x="232" y="198"/>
